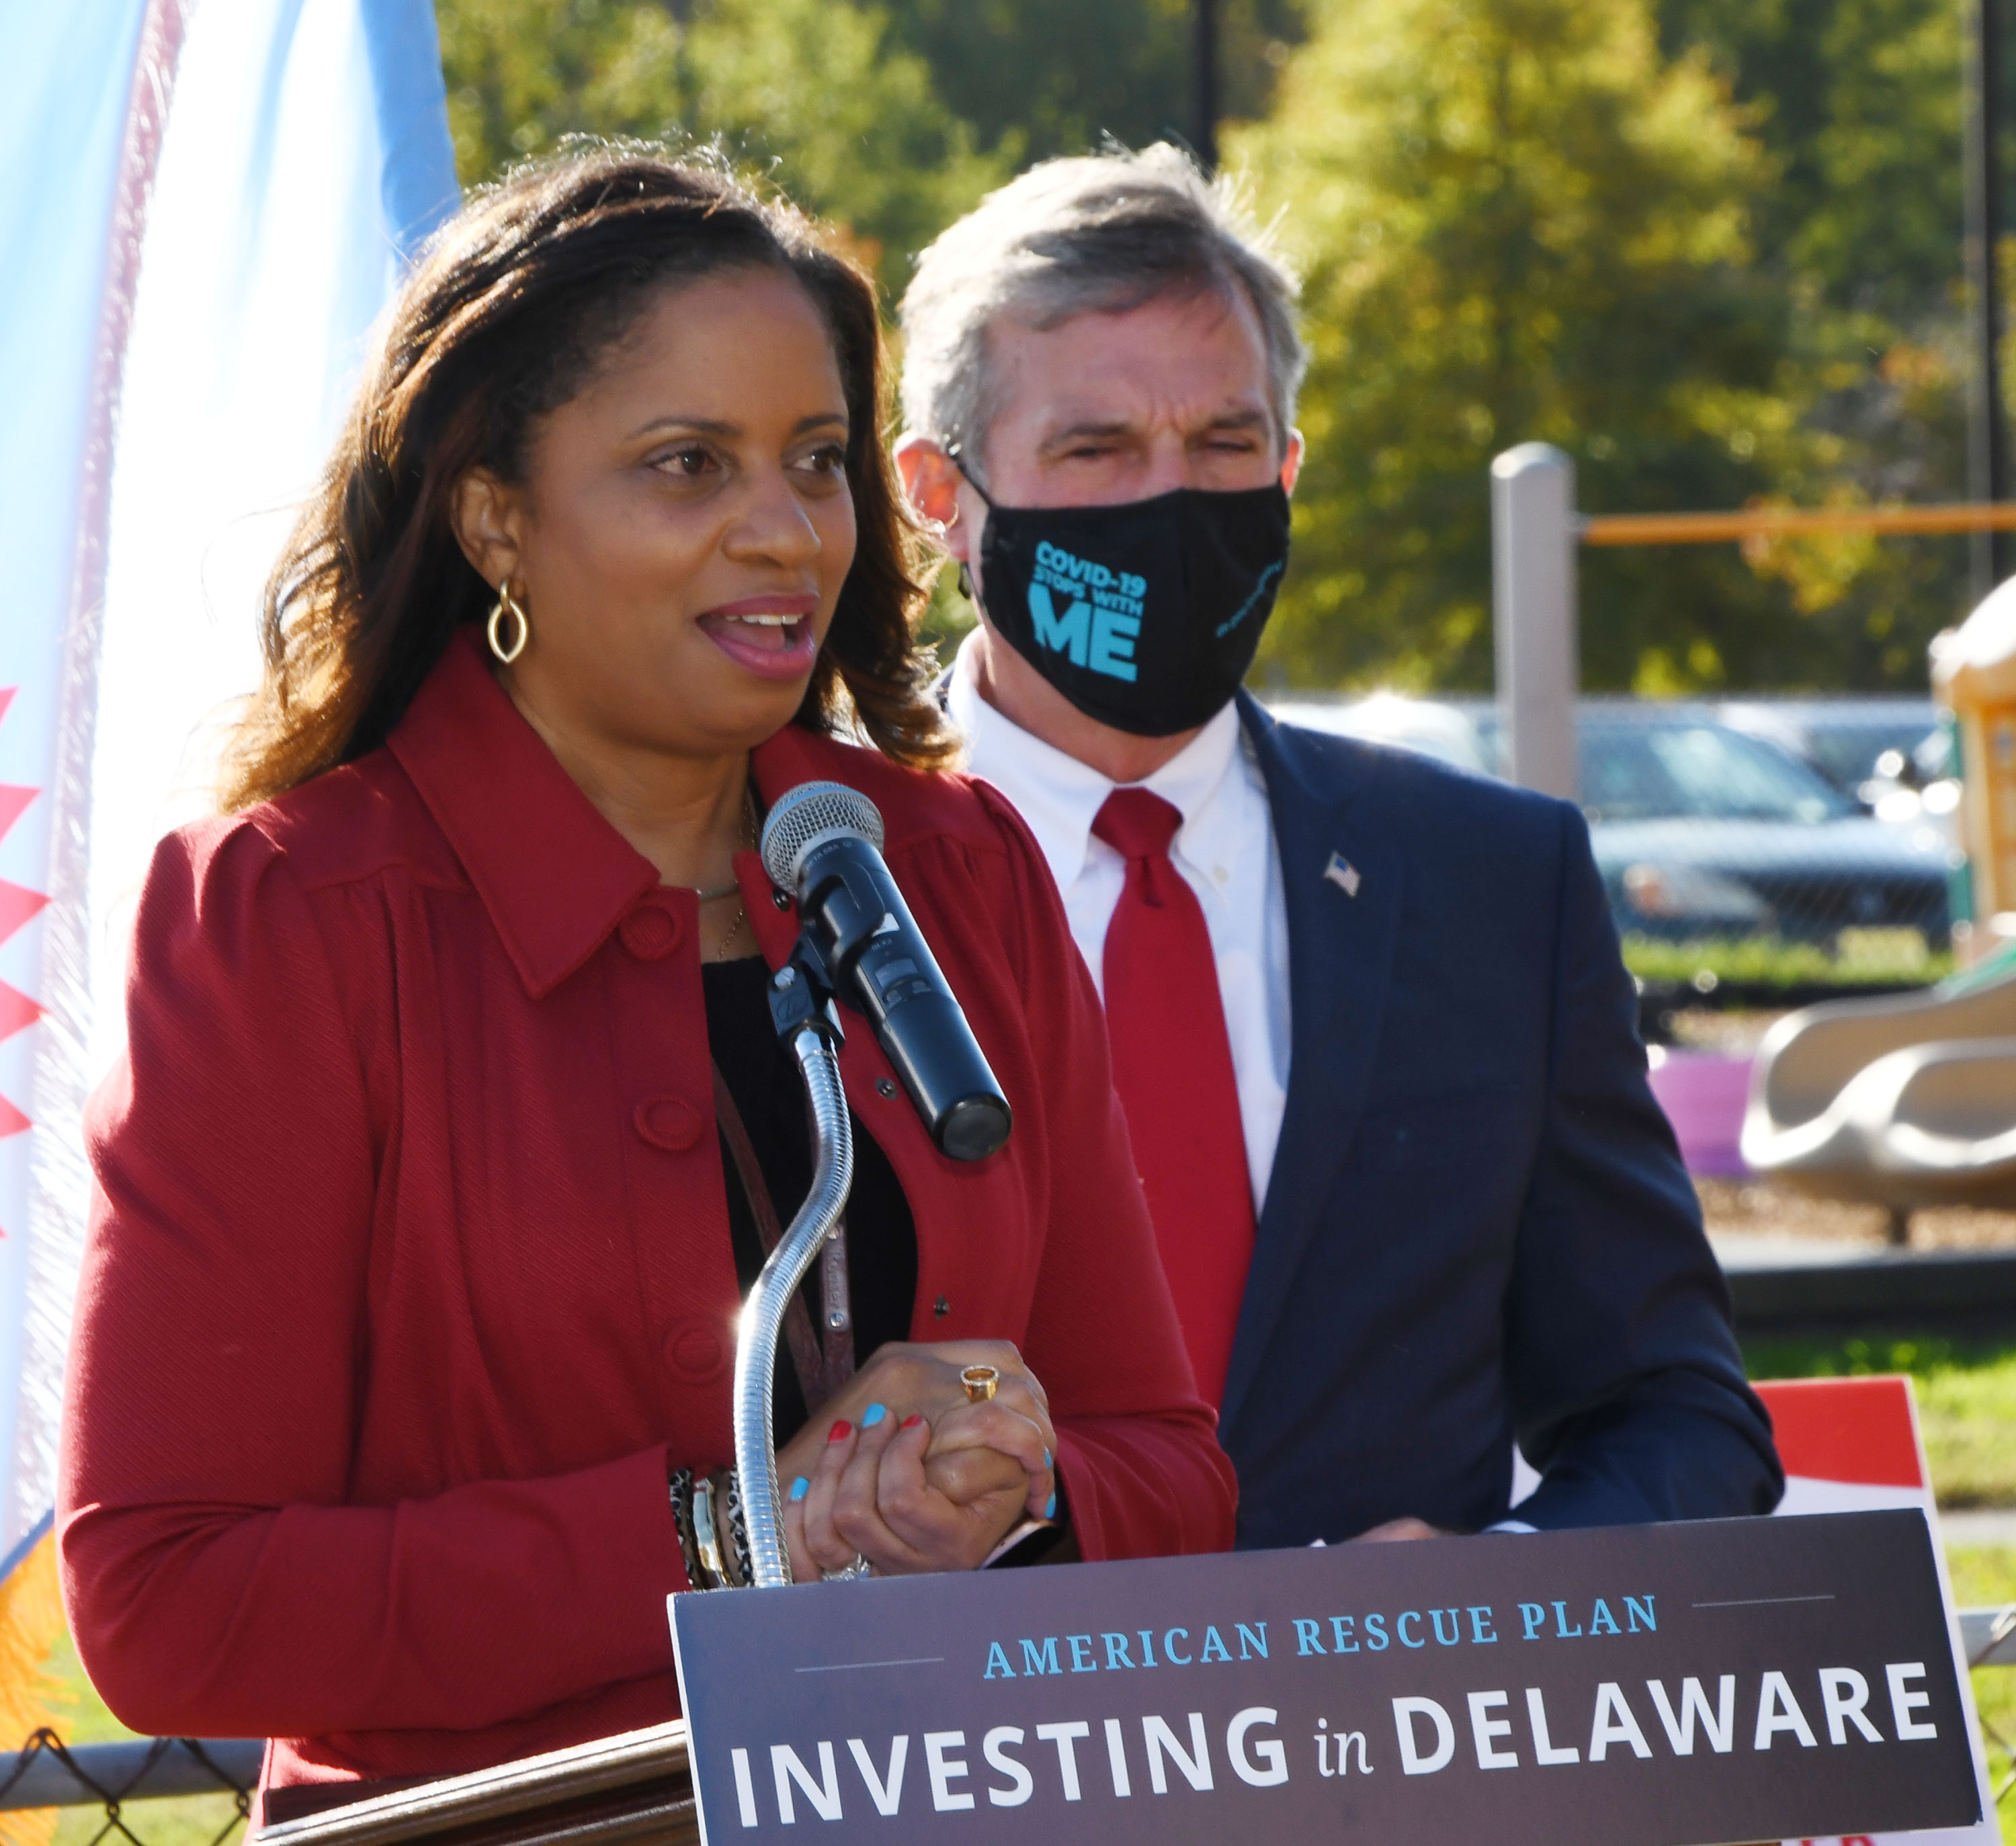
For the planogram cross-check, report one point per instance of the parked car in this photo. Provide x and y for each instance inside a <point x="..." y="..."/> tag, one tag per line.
<point x="1853" y="742"/>
<point x="1701" y="830"/>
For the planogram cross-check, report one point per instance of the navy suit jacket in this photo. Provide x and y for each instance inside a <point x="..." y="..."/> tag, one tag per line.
<point x="1477" y="1225"/>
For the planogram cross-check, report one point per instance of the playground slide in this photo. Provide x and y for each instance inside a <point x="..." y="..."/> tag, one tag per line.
<point x="1904" y="1101"/>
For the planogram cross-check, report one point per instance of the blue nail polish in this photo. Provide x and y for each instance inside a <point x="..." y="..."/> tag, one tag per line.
<point x="1050" y="1507"/>
<point x="872" y="1416"/>
<point x="800" y="1488"/>
<point x="1047" y="1458"/>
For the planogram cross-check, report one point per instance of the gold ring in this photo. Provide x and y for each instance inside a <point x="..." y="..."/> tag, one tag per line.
<point x="981" y="1381"/>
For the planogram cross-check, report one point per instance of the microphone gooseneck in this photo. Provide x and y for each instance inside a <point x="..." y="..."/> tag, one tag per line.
<point x="823" y="843"/>
<point x="856" y="938"/>
<point x="807" y="1026"/>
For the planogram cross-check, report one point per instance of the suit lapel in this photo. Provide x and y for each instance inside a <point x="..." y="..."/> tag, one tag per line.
<point x="1341" y="869"/>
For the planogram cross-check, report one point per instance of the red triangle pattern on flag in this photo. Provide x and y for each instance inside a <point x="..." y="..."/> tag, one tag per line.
<point x="17" y="1011"/>
<point x="13" y="798"/>
<point x="17" y="905"/>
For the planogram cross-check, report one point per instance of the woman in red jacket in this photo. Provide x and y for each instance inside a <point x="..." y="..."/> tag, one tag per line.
<point x="452" y="1118"/>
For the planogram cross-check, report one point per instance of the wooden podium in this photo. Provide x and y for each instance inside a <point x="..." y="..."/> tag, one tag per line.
<point x="625" y="1790"/>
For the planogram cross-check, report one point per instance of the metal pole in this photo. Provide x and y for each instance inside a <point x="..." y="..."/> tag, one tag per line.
<point x="1205" y="19"/>
<point x="1988" y="447"/>
<point x="1533" y="615"/>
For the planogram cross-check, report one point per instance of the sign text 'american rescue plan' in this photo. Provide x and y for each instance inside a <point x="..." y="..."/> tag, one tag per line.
<point x="1659" y="1685"/>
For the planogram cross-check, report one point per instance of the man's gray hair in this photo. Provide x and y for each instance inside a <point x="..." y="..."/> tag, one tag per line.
<point x="1101" y="233"/>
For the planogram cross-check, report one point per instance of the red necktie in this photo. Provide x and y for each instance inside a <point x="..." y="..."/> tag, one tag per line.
<point x="1172" y="1066"/>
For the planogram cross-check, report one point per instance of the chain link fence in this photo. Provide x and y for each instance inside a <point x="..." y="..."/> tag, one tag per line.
<point x="113" y="1778"/>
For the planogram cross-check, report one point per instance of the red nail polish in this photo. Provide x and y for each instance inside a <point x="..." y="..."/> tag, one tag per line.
<point x="911" y="1421"/>
<point x="840" y="1431"/>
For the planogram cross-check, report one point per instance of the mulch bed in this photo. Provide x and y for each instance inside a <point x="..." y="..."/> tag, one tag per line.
<point x="1762" y="1206"/>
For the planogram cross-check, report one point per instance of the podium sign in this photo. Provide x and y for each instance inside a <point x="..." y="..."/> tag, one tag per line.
<point x="1656" y="1685"/>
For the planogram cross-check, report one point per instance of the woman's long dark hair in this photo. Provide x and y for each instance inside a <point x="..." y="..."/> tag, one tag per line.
<point x="504" y="320"/>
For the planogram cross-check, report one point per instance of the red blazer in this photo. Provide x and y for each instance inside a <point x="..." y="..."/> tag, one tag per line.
<point x="409" y="1278"/>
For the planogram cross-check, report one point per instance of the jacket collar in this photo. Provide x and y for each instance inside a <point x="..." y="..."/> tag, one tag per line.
<point x="555" y="877"/>
<point x="1342" y="868"/>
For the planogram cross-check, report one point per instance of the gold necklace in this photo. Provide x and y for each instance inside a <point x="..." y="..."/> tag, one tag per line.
<point x="734" y="888"/>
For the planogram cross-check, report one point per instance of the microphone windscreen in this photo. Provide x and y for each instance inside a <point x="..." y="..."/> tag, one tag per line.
<point x="811" y="812"/>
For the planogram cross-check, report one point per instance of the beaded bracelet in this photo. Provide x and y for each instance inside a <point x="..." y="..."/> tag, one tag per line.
<point x="738" y="1532"/>
<point x="682" y="1491"/>
<point x="708" y="1564"/>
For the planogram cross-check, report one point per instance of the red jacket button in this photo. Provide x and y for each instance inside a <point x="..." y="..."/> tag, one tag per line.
<point x="696" y="1351"/>
<point x="650" y="932"/>
<point x="669" y="1123"/>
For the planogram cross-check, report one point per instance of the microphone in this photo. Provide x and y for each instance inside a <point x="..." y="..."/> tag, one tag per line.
<point x="823" y="841"/>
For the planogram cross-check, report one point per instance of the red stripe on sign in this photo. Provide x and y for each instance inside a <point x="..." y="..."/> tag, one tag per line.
<point x="1858" y="1430"/>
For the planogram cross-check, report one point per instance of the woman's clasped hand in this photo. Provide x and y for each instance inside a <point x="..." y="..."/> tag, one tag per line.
<point x="900" y="1469"/>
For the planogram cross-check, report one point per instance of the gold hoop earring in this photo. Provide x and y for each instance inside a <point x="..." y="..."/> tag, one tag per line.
<point x="507" y="604"/>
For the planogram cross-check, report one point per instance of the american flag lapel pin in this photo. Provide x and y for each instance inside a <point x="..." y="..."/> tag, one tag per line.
<point x="1342" y="873"/>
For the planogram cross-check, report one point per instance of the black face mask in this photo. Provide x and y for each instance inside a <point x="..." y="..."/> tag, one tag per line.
<point x="1144" y="616"/>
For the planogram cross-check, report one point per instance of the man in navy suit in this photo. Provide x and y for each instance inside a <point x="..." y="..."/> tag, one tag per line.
<point x="1375" y="1043"/>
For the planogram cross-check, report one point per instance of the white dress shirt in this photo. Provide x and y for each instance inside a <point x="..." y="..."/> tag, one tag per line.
<point x="1225" y="850"/>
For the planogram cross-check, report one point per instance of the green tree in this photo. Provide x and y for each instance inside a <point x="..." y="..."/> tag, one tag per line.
<point x="1859" y="104"/>
<point x="1519" y="221"/>
<point x="1039" y="77"/>
<point x="815" y="93"/>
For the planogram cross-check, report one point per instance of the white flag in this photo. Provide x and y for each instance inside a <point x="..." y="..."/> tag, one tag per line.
<point x="204" y="206"/>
